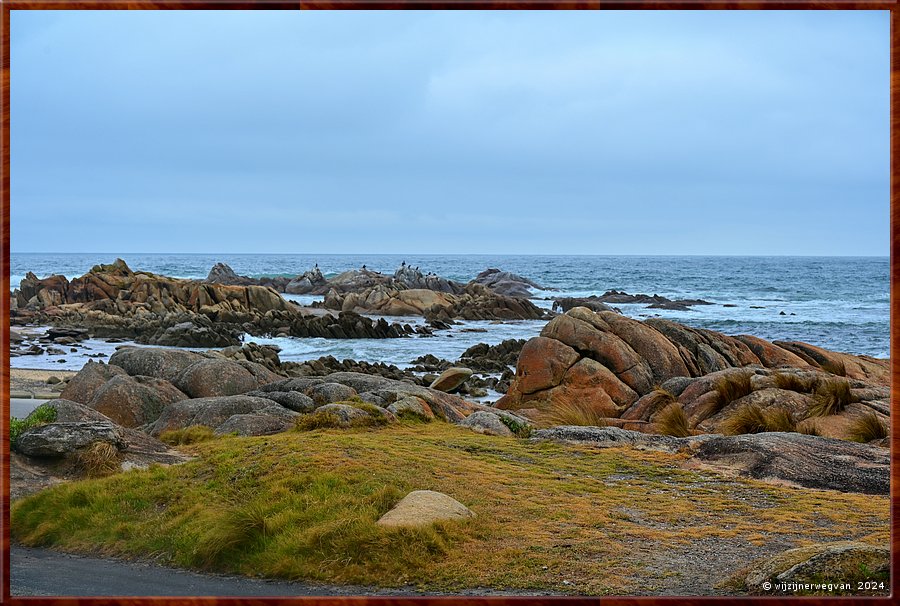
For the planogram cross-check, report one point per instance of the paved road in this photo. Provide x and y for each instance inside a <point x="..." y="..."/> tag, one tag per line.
<point x="42" y="572"/>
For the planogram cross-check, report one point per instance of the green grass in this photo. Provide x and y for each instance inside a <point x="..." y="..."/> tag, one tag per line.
<point x="519" y="429"/>
<point x="866" y="428"/>
<point x="830" y="398"/>
<point x="326" y="419"/>
<point x="41" y="415"/>
<point x="304" y="505"/>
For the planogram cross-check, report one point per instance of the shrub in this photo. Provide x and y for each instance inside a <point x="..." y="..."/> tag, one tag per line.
<point x="866" y="428"/>
<point x="672" y="421"/>
<point x="792" y="382"/>
<point x="188" y="435"/>
<point x="41" y="415"/>
<point x="317" y="420"/>
<point x="572" y="413"/>
<point x="831" y="397"/>
<point x="98" y="460"/>
<point x="753" y="419"/>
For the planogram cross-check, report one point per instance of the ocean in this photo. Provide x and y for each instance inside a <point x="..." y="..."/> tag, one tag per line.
<point x="840" y="303"/>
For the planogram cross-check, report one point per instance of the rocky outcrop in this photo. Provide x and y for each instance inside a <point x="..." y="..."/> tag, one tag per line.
<point x="506" y="283"/>
<point x="214" y="412"/>
<point x="608" y="362"/>
<point x="424" y="507"/>
<point x="784" y="458"/>
<point x="113" y="301"/>
<point x="93" y="375"/>
<point x="847" y="562"/>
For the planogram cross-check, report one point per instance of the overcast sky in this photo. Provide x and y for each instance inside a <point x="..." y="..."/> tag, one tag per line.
<point x="450" y="132"/>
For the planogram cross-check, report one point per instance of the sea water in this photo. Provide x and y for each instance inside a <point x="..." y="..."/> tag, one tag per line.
<point x="840" y="303"/>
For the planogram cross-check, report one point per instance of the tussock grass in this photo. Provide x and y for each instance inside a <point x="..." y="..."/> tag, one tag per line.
<point x="730" y="388"/>
<point x="660" y="398"/>
<point x="41" y="415"/>
<point x="305" y="505"/>
<point x="834" y="367"/>
<point x="753" y="419"/>
<point x="98" y="460"/>
<point x="672" y="421"/>
<point x="808" y="427"/>
<point x="188" y="435"/>
<point x="866" y="428"/>
<point x="830" y="398"/>
<point x="571" y="413"/>
<point x="793" y="382"/>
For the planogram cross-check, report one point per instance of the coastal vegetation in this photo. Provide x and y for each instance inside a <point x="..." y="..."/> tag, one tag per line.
<point x="570" y="518"/>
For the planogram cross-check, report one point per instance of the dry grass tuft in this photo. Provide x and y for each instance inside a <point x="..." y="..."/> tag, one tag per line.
<point x="830" y="398"/>
<point x="730" y="388"/>
<point x="836" y="368"/>
<point x="866" y="428"/>
<point x="753" y="419"/>
<point x="672" y="421"/>
<point x="808" y="427"/>
<point x="572" y="413"/>
<point x="188" y="435"/>
<point x="98" y="460"/>
<point x="792" y="382"/>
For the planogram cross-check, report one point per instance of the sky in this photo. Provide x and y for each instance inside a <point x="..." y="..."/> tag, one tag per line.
<point x="658" y="133"/>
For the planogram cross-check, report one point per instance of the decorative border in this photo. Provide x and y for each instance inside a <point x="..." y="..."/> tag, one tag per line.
<point x="7" y="5"/>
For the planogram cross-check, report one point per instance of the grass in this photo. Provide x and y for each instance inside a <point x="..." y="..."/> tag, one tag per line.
<point x="571" y="413"/>
<point x="793" y="382"/>
<point x="188" y="435"/>
<point x="751" y="418"/>
<point x="326" y="419"/>
<point x="729" y="388"/>
<point x="41" y="415"/>
<point x="672" y="421"/>
<point x="808" y="427"/>
<point x="305" y="505"/>
<point x="834" y="367"/>
<point x="866" y="428"/>
<point x="659" y="399"/>
<point x="830" y="398"/>
<point x="98" y="460"/>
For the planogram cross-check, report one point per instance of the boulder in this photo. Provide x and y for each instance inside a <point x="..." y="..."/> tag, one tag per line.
<point x="154" y="362"/>
<point x="506" y="283"/>
<point x="93" y="375"/>
<point x="411" y="405"/>
<point x="486" y="423"/>
<point x="254" y="425"/>
<point x="542" y="364"/>
<point x="424" y="507"/>
<point x="326" y="393"/>
<point x="134" y="401"/>
<point x="207" y="378"/>
<point x="213" y="412"/>
<point x="64" y="439"/>
<point x="451" y="379"/>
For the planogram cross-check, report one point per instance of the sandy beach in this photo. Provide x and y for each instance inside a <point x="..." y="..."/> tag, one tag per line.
<point x="33" y="383"/>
